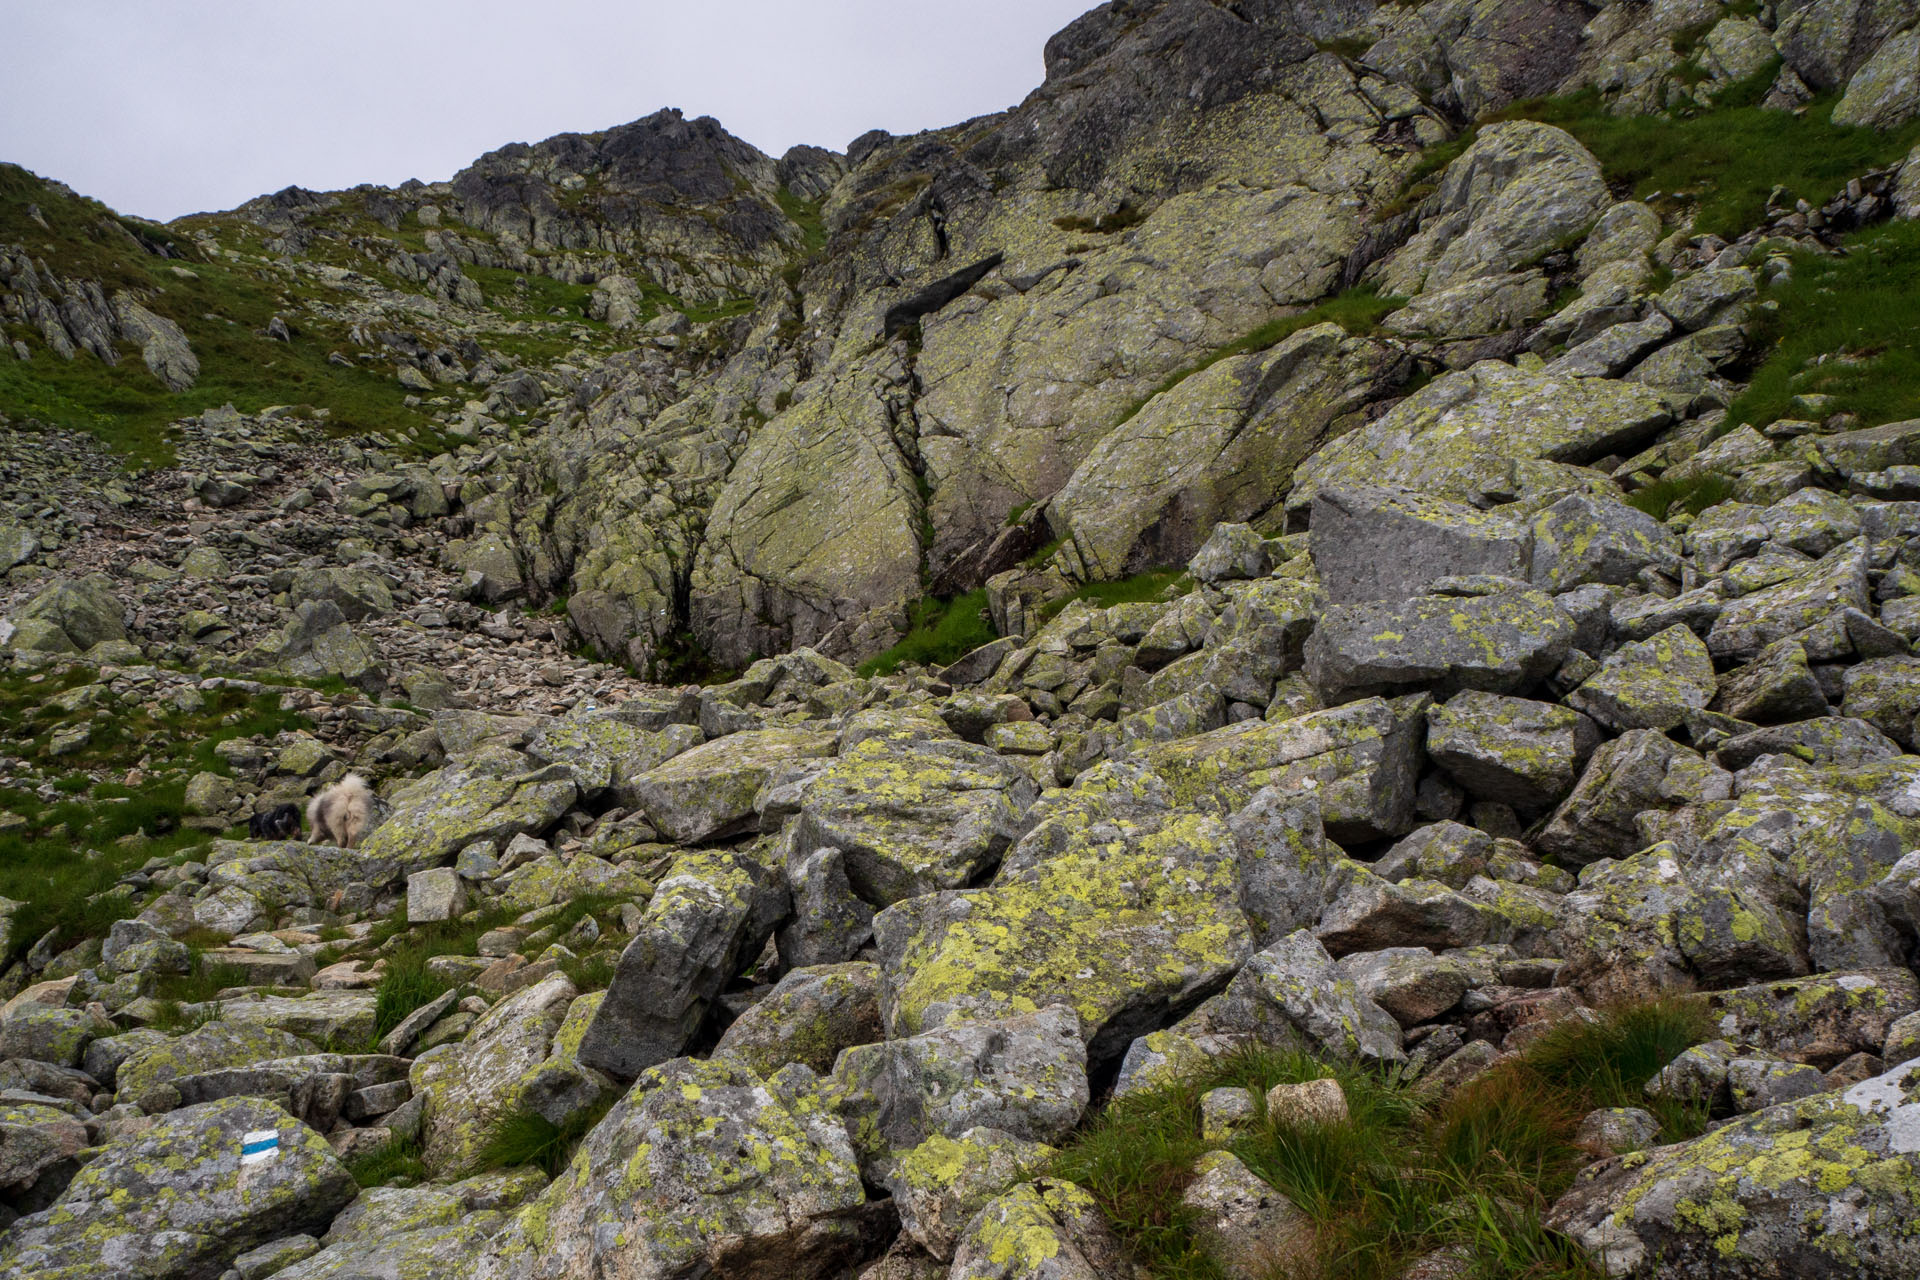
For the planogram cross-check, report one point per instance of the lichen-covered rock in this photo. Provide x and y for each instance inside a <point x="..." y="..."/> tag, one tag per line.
<point x="1473" y="436"/>
<point x="1390" y="544"/>
<point x="1501" y="643"/>
<point x="1838" y="830"/>
<point x="185" y="1196"/>
<point x="146" y="1073"/>
<point x="915" y="817"/>
<point x="47" y="1034"/>
<point x="1809" y="606"/>
<point x="1582" y="539"/>
<point x="434" y="818"/>
<point x="1664" y="919"/>
<point x="415" y="1253"/>
<point x="1825" y="1186"/>
<point x="1249" y="1228"/>
<point x="1369" y="913"/>
<point x="35" y="1137"/>
<point x="1519" y="191"/>
<point x="1123" y="921"/>
<point x="700" y="1169"/>
<point x="606" y="750"/>
<point x="1292" y="995"/>
<point x="829" y="922"/>
<point x="1649" y="684"/>
<point x="942" y="1183"/>
<point x="711" y="914"/>
<point x="1885" y="93"/>
<point x="1411" y="983"/>
<point x="1886" y="694"/>
<point x="1819" y="1020"/>
<point x="1361" y="761"/>
<point x="1510" y="750"/>
<point x="1776" y="687"/>
<point x="709" y="792"/>
<point x="1025" y="1075"/>
<point x="1231" y="552"/>
<point x="809" y="1017"/>
<point x="1636" y="772"/>
<point x="471" y="1087"/>
<point x="84" y="609"/>
<point x="1218" y="447"/>
<point x="1041" y="1230"/>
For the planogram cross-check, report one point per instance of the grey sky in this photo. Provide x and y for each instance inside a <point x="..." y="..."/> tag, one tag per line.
<point x="167" y="107"/>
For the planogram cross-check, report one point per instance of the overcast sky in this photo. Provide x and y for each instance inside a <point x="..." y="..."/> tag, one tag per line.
<point x="167" y="107"/>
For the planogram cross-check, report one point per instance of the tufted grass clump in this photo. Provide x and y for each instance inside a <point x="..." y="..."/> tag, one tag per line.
<point x="1409" y="1173"/>
<point x="939" y="632"/>
<point x="1692" y="494"/>
<point x="396" y="1159"/>
<point x="405" y="985"/>
<point x="527" y="1138"/>
<point x="1847" y="327"/>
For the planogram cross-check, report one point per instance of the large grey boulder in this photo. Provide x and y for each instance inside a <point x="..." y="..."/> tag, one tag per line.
<point x="1361" y="761"/>
<point x="1026" y="1076"/>
<point x="471" y="1087"/>
<point x="809" y="1017"/>
<point x="1043" y="1229"/>
<point x="913" y="817"/>
<point x="1519" y="191"/>
<point x="1649" y="684"/>
<point x="1293" y="995"/>
<point x="702" y="1169"/>
<point x="1511" y="751"/>
<point x="1390" y="544"/>
<point x="709" y="792"/>
<point x="1480" y="435"/>
<point x="84" y="609"/>
<point x="1819" y="1187"/>
<point x="1125" y="921"/>
<point x="1634" y="774"/>
<point x="1502" y="643"/>
<point x="708" y="917"/>
<point x="436" y="816"/>
<point x="1583" y="539"/>
<point x="181" y="1199"/>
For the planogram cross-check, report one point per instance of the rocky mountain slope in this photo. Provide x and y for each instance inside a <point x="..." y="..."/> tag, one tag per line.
<point x="1298" y="655"/>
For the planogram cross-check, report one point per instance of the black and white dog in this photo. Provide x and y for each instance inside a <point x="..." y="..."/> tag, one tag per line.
<point x="282" y="822"/>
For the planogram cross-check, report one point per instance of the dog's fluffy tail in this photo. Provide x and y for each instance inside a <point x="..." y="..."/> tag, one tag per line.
<point x="342" y="813"/>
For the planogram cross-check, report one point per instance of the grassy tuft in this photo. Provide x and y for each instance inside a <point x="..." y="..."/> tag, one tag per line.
<point x="1846" y="327"/>
<point x="405" y="985"/>
<point x="1140" y="588"/>
<point x="525" y="1138"/>
<point x="397" y="1159"/>
<point x="1691" y="494"/>
<point x="1405" y="1175"/>
<point x="939" y="631"/>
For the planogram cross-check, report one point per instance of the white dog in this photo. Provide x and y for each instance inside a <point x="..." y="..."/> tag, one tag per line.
<point x="341" y="813"/>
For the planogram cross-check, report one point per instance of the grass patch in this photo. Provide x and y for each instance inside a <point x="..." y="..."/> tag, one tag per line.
<point x="1358" y="310"/>
<point x="201" y="983"/>
<point x="1848" y="327"/>
<point x="1405" y="1175"/>
<point x="805" y="214"/>
<point x="399" y="1158"/>
<point x="1141" y="588"/>
<point x="591" y="972"/>
<point x="405" y="985"/>
<point x="525" y="1138"/>
<point x="1691" y="494"/>
<point x="939" y="631"/>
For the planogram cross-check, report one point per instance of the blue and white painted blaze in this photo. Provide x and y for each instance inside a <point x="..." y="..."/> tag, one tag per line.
<point x="258" y="1145"/>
